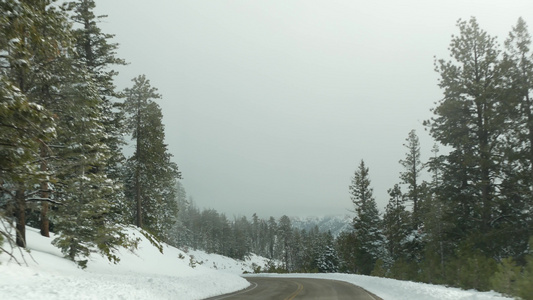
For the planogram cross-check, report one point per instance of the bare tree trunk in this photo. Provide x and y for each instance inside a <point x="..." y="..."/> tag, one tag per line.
<point x="45" y="223"/>
<point x="138" y="198"/>
<point x="137" y="169"/>
<point x="20" y="211"/>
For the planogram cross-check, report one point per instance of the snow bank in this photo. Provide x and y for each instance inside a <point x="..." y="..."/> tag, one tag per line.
<point x="391" y="289"/>
<point x="226" y="264"/>
<point x="147" y="274"/>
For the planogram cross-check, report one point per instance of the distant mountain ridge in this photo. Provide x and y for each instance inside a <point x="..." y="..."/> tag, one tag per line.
<point x="334" y="224"/>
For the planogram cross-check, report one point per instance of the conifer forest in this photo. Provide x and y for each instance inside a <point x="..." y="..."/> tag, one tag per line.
<point x="463" y="218"/>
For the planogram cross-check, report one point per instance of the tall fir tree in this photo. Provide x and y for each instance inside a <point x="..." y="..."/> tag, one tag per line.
<point x="36" y="40"/>
<point x="470" y="119"/>
<point x="516" y="203"/>
<point x="152" y="176"/>
<point x="285" y="236"/>
<point x="70" y="163"/>
<point x="96" y="51"/>
<point x="411" y="175"/>
<point x="366" y="223"/>
<point x="396" y="225"/>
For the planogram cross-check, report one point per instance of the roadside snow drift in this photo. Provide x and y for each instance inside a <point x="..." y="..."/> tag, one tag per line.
<point x="176" y="274"/>
<point x="147" y="274"/>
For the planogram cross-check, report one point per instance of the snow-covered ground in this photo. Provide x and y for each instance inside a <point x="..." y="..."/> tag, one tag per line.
<point x="148" y="274"/>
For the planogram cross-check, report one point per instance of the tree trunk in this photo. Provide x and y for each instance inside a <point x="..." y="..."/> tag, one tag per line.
<point x="45" y="223"/>
<point x="20" y="212"/>
<point x="137" y="169"/>
<point x="138" y="198"/>
<point x="45" y="194"/>
<point x="529" y="116"/>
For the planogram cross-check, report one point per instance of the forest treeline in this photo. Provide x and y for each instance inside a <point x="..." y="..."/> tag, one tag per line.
<point x="63" y="125"/>
<point x="288" y="248"/>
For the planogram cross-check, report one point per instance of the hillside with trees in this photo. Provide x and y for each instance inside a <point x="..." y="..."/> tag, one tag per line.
<point x="62" y="131"/>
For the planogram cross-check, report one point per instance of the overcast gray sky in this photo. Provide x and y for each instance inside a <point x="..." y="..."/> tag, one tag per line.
<point x="269" y="106"/>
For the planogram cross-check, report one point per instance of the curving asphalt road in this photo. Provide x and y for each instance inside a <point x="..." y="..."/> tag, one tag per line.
<point x="267" y="288"/>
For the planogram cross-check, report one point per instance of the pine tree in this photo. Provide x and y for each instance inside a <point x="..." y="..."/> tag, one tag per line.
<point x="470" y="119"/>
<point x="35" y="39"/>
<point x="85" y="218"/>
<point x="98" y="54"/>
<point x="285" y="236"/>
<point x="180" y="234"/>
<point x="416" y="194"/>
<point x="345" y="245"/>
<point x="327" y="259"/>
<point x="367" y="223"/>
<point x="70" y="164"/>
<point x="524" y="287"/>
<point x="411" y="174"/>
<point x="516" y="202"/>
<point x="396" y="225"/>
<point x="152" y="175"/>
<point x="272" y="229"/>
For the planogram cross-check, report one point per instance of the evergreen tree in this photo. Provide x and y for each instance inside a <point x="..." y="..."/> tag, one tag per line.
<point x="180" y="234"/>
<point x="70" y="165"/>
<point x="85" y="217"/>
<point x="516" y="202"/>
<point x="285" y="236"/>
<point x="470" y="119"/>
<point x="327" y="259"/>
<point x="524" y="287"/>
<point x="396" y="225"/>
<point x="367" y="223"/>
<point x="410" y="176"/>
<point x="272" y="229"/>
<point x="98" y="54"/>
<point x="151" y="174"/>
<point x="345" y="245"/>
<point x="32" y="32"/>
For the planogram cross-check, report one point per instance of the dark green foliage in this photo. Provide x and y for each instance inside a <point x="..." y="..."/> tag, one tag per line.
<point x="96" y="51"/>
<point x="471" y="268"/>
<point x="366" y="223"/>
<point x="54" y="135"/>
<point x="88" y="220"/>
<point x="403" y="269"/>
<point x="150" y="174"/>
<point x="410" y="176"/>
<point x="345" y="244"/>
<point x="504" y="280"/>
<point x="380" y="270"/>
<point x="327" y="259"/>
<point x="524" y="286"/>
<point x="470" y="119"/>
<point x="396" y="224"/>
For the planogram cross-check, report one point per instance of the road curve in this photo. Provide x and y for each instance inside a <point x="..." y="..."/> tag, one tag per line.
<point x="267" y="288"/>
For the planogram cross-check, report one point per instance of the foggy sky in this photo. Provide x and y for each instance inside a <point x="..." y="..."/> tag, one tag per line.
<point x="269" y="106"/>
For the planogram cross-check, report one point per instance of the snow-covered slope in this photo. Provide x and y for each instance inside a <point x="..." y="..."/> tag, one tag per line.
<point x="226" y="264"/>
<point x="148" y="274"/>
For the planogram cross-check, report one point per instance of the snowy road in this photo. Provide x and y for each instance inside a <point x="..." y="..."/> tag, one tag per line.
<point x="298" y="288"/>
